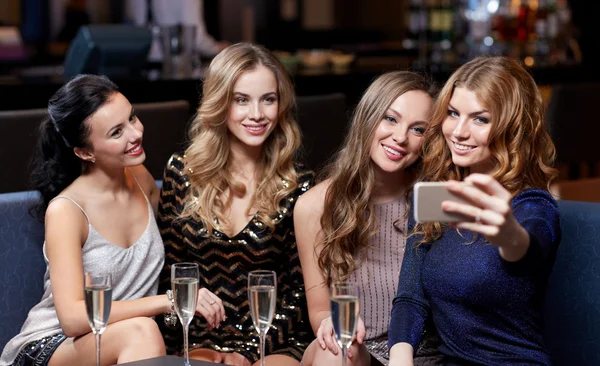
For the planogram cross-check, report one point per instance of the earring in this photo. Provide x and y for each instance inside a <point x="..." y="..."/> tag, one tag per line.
<point x="93" y="160"/>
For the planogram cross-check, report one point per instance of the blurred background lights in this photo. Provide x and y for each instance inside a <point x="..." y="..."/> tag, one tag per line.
<point x="492" y="6"/>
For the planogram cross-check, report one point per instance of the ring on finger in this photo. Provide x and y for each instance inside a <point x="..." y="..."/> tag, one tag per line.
<point x="478" y="217"/>
<point x="212" y="302"/>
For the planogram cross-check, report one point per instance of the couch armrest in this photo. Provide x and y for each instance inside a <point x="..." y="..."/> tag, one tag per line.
<point x="572" y="306"/>
<point x="22" y="264"/>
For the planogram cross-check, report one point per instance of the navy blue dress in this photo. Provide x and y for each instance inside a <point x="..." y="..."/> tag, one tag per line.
<point x="486" y="310"/>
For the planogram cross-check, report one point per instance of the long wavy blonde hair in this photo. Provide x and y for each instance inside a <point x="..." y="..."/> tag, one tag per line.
<point x="208" y="159"/>
<point x="520" y="146"/>
<point x="348" y="221"/>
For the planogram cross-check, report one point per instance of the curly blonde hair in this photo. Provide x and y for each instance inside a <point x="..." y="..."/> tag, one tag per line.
<point x="520" y="146"/>
<point x="208" y="160"/>
<point x="348" y="221"/>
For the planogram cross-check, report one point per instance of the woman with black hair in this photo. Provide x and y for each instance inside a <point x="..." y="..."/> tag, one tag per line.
<point x="98" y="204"/>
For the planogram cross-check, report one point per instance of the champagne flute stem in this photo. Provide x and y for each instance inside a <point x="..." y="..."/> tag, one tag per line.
<point x="186" y="345"/>
<point x="344" y="356"/>
<point x="97" y="348"/>
<point x="262" y="348"/>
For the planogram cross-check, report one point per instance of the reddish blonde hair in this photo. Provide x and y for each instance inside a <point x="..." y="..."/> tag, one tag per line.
<point x="520" y="146"/>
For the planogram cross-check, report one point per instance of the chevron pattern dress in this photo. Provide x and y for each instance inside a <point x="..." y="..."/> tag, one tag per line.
<point x="224" y="265"/>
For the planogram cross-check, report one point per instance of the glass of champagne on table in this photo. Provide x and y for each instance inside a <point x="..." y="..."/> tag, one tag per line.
<point x="184" y="283"/>
<point x="344" y="314"/>
<point x="262" y="292"/>
<point x="98" y="298"/>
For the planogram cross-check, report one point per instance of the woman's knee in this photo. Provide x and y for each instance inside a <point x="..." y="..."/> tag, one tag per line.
<point x="140" y="326"/>
<point x="317" y="356"/>
<point x="205" y="354"/>
<point x="324" y="356"/>
<point x="144" y="330"/>
<point x="309" y="353"/>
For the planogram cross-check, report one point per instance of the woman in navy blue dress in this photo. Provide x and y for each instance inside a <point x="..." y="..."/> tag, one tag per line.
<point x="482" y="280"/>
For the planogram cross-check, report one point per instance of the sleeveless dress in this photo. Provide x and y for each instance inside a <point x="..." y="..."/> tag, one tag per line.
<point x="134" y="273"/>
<point x="377" y="276"/>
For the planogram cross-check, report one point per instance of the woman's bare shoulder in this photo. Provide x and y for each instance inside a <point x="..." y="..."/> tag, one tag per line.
<point x="144" y="177"/>
<point x="78" y="191"/>
<point x="66" y="217"/>
<point x="312" y="202"/>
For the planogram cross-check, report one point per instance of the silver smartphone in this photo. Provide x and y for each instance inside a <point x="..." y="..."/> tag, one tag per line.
<point x="428" y="198"/>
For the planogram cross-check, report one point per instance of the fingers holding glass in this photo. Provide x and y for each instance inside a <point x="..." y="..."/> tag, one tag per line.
<point x="326" y="336"/>
<point x="361" y="332"/>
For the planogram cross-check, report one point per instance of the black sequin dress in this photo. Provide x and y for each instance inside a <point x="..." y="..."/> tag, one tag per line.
<point x="224" y="265"/>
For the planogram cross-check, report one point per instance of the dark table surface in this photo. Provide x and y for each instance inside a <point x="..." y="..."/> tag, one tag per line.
<point x="168" y="361"/>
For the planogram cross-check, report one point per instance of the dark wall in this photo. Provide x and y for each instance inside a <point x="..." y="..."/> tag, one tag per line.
<point x="585" y="19"/>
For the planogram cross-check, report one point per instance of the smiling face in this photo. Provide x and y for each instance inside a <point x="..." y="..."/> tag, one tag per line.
<point x="466" y="130"/>
<point x="399" y="136"/>
<point x="254" y="109"/>
<point x="116" y="135"/>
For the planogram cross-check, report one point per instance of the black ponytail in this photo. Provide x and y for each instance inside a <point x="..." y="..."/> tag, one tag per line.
<point x="55" y="165"/>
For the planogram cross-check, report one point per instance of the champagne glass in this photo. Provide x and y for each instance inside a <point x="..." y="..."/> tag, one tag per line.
<point x="344" y="314"/>
<point x="98" y="298"/>
<point x="184" y="283"/>
<point x="262" y="292"/>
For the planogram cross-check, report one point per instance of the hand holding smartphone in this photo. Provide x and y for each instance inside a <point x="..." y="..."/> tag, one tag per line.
<point x="428" y="198"/>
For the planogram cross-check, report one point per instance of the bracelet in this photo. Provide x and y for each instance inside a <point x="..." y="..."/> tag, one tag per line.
<point x="170" y="317"/>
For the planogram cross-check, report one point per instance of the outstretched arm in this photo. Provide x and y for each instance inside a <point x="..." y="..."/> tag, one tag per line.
<point x="523" y="227"/>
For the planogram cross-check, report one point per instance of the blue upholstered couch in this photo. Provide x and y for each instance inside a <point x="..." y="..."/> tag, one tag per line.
<point x="572" y="306"/>
<point x="22" y="264"/>
<point x="572" y="311"/>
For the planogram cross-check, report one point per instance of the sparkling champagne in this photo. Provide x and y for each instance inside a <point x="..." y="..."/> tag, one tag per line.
<point x="262" y="306"/>
<point x="344" y="314"/>
<point x="185" y="296"/>
<point x="184" y="284"/>
<point x="98" y="299"/>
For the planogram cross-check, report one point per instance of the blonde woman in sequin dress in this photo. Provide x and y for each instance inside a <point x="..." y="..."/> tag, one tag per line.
<point x="352" y="226"/>
<point x="227" y="205"/>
